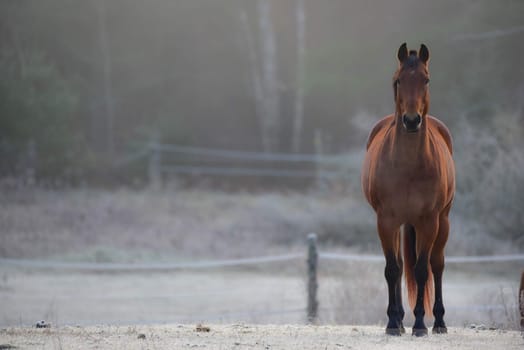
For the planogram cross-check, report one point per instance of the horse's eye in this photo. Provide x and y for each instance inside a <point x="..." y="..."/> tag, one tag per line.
<point x="397" y="82"/>
<point x="427" y="81"/>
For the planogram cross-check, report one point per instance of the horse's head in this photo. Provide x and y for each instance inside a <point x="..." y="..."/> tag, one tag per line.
<point x="410" y="85"/>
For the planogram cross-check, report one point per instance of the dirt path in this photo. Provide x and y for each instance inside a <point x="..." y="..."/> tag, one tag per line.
<point x="251" y="337"/>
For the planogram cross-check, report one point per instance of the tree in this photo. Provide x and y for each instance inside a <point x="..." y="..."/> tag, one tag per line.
<point x="38" y="110"/>
<point x="298" y="120"/>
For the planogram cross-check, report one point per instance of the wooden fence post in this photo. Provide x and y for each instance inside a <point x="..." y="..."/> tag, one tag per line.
<point x="521" y="301"/>
<point x="154" y="171"/>
<point x="312" y="283"/>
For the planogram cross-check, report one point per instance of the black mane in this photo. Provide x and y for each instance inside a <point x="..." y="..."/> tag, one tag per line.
<point x="412" y="60"/>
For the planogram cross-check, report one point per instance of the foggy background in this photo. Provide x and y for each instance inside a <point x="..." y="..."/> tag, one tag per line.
<point x="86" y="86"/>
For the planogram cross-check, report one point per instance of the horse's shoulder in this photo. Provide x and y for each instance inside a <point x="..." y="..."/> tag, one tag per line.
<point x="443" y="131"/>
<point x="381" y="124"/>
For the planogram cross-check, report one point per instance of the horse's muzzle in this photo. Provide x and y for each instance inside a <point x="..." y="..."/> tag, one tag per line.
<point x="412" y="123"/>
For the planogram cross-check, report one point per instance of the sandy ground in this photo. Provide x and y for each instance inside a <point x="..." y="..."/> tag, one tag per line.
<point x="251" y="337"/>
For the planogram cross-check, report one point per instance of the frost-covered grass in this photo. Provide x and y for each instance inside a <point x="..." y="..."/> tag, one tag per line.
<point x="128" y="225"/>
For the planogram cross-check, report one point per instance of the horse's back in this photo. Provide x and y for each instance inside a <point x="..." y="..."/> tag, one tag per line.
<point x="381" y="125"/>
<point x="442" y="130"/>
<point x="375" y="139"/>
<point x="442" y="137"/>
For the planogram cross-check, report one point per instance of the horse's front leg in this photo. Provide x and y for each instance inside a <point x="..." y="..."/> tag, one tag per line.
<point x="390" y="239"/>
<point x="426" y="235"/>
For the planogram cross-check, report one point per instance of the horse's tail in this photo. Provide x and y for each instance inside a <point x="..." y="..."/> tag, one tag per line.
<point x="410" y="258"/>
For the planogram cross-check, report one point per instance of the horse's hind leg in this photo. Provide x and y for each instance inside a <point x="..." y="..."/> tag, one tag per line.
<point x="427" y="231"/>
<point x="390" y="239"/>
<point x="398" y="294"/>
<point x="437" y="267"/>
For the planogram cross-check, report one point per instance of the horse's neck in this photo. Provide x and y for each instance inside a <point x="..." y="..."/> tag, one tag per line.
<point x="410" y="148"/>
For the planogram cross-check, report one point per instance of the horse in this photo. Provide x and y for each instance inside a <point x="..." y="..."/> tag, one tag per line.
<point x="408" y="178"/>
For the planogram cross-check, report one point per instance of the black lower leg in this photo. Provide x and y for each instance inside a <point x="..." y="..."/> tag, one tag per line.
<point x="421" y="276"/>
<point x="438" y="309"/>
<point x="398" y="295"/>
<point x="392" y="273"/>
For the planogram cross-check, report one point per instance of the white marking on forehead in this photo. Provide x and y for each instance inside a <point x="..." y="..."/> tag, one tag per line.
<point x="412" y="72"/>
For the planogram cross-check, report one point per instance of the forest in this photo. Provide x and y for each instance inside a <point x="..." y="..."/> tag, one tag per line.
<point x="86" y="84"/>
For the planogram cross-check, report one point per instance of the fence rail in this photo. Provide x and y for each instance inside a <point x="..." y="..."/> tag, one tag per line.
<point x="192" y="161"/>
<point x="449" y="259"/>
<point x="230" y="171"/>
<point x="148" y="267"/>
<point x="246" y="155"/>
<point x="151" y="267"/>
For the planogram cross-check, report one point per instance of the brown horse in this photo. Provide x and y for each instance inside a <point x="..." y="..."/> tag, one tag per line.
<point x="408" y="177"/>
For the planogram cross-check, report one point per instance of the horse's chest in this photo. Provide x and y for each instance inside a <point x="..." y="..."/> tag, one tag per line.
<point x="409" y="190"/>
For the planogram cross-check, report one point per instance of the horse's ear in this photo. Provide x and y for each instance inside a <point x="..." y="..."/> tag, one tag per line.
<point x="402" y="52"/>
<point x="423" y="54"/>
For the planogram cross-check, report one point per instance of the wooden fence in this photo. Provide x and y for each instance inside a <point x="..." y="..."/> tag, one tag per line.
<point x="312" y="259"/>
<point x="165" y="160"/>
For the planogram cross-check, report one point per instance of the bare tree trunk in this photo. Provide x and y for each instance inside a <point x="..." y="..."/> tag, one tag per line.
<point x="255" y="75"/>
<point x="271" y="104"/>
<point x="105" y="51"/>
<point x="298" y="119"/>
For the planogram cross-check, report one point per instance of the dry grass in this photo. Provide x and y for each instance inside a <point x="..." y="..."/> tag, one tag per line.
<point x="355" y="294"/>
<point x="126" y="225"/>
<point x="490" y="177"/>
<point x="119" y="225"/>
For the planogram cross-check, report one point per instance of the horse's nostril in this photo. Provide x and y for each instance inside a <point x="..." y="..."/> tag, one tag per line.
<point x="412" y="118"/>
<point x="411" y="123"/>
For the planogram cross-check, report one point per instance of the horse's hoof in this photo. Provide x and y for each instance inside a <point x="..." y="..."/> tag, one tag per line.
<point x="394" y="331"/>
<point x="440" y="330"/>
<point x="421" y="332"/>
<point x="402" y="330"/>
